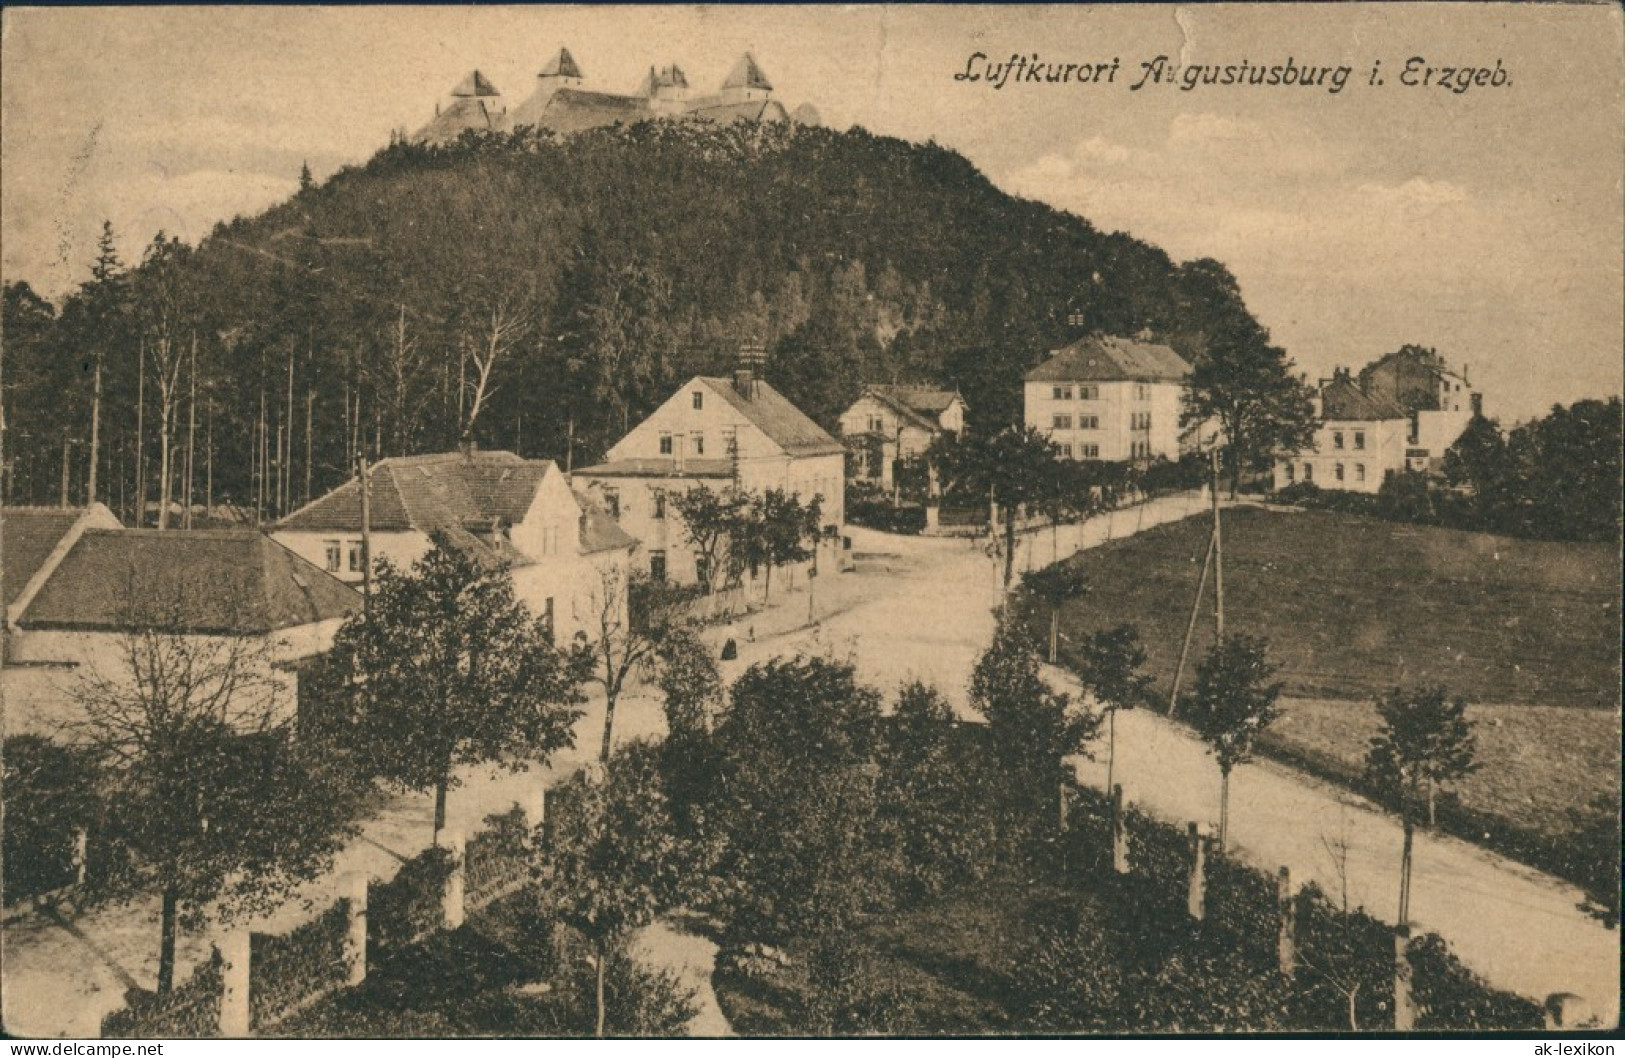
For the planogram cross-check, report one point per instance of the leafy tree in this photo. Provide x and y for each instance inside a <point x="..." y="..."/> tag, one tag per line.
<point x="613" y="855"/>
<point x="1011" y="469"/>
<point x="51" y="792"/>
<point x="1109" y="664"/>
<point x="714" y="523"/>
<point x="635" y="615"/>
<point x="797" y="798"/>
<point x="1246" y="386"/>
<point x="1570" y="471"/>
<point x="1478" y="461"/>
<point x="935" y="794"/>
<point x="1230" y="705"/>
<point x="447" y="668"/>
<point x="209" y="798"/>
<point x="1055" y="585"/>
<point x="1030" y="727"/>
<point x="787" y="529"/>
<point x="1425" y="741"/>
<point x="691" y="686"/>
<point x="306" y="181"/>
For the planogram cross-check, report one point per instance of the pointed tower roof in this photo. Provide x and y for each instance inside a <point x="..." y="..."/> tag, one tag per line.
<point x="475" y="84"/>
<point x="562" y="65"/>
<point x="746" y="74"/>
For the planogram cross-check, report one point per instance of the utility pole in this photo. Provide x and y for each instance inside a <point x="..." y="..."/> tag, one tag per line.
<point x="95" y="428"/>
<point x="366" y="540"/>
<point x="1218" y="554"/>
<point x="191" y="435"/>
<point x="65" y="445"/>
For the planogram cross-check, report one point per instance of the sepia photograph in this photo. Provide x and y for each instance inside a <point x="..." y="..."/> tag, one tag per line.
<point x="789" y="521"/>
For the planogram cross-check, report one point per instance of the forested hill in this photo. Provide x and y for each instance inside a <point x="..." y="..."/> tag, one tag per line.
<point x="600" y="269"/>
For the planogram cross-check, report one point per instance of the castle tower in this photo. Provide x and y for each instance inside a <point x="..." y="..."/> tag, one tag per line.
<point x="666" y="90"/>
<point x="746" y="82"/>
<point x="475" y="104"/>
<point x="558" y="73"/>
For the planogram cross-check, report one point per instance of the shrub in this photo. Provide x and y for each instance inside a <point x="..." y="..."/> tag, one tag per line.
<point x="408" y="906"/>
<point x="292" y="967"/>
<point x="1451" y="997"/>
<point x="50" y="793"/>
<point x="497" y="859"/>
<point x="190" y="1011"/>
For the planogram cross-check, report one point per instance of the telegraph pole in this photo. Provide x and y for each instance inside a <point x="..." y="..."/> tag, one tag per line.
<point x="366" y="540"/>
<point x="1218" y="554"/>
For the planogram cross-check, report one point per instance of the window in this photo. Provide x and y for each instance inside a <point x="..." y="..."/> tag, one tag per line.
<point x="356" y="564"/>
<point x="699" y="401"/>
<point x="1062" y="422"/>
<point x="1088" y="422"/>
<point x="1308" y="472"/>
<point x="1142" y="391"/>
<point x="1337" y="472"/>
<point x="657" y="565"/>
<point x="335" y="552"/>
<point x="1287" y="472"/>
<point x="660" y="507"/>
<point x="702" y="569"/>
<point x="1062" y="393"/>
<point x="1066" y="451"/>
<point x="699" y="443"/>
<point x="612" y="501"/>
<point x="877" y="424"/>
<point x="1090" y="451"/>
<point x="665" y="444"/>
<point x="730" y="440"/>
<point x="1359" y="472"/>
<point x="1148" y="423"/>
<point x="1337" y="438"/>
<point x="547" y="618"/>
<point x="1359" y="439"/>
<point x="1088" y="392"/>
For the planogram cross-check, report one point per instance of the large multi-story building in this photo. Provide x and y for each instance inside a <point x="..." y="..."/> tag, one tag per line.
<point x="718" y="433"/>
<point x="561" y="104"/>
<point x="1109" y="398"/>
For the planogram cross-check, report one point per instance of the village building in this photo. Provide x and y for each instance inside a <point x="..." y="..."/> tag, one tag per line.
<point x="568" y="558"/>
<point x="475" y="105"/>
<point x="33" y="542"/>
<point x="1109" y="398"/>
<point x="888" y="425"/>
<point x="206" y="599"/>
<point x="718" y="433"/>
<point x="561" y="103"/>
<point x="1401" y="412"/>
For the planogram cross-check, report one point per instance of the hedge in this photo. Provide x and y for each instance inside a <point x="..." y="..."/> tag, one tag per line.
<point x="291" y="969"/>
<point x="189" y="1011"/>
<point x="408" y="906"/>
<point x="497" y="859"/>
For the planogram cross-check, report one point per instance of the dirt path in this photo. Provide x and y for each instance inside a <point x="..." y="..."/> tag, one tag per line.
<point x="669" y="944"/>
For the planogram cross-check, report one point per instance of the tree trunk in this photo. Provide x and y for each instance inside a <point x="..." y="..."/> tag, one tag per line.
<point x="166" y="943"/>
<point x="95" y="431"/>
<point x="1224" y="807"/>
<point x="609" y="721"/>
<point x="440" y="803"/>
<point x="1111" y="745"/>
<point x="1405" y="874"/>
<point x="599" y="1030"/>
<point x="1055" y="637"/>
<point x="1433" y="805"/>
<point x="1009" y="545"/>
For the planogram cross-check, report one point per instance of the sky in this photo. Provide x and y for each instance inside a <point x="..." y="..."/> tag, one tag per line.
<point x="1486" y="223"/>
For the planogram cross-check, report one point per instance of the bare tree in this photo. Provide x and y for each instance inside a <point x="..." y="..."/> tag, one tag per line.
<point x="634" y="615"/>
<point x="502" y="327"/>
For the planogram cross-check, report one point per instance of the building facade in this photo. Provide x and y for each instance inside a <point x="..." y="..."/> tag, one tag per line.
<point x="1109" y="398"/>
<point x="561" y="550"/>
<point x="887" y="425"/>
<point x="720" y="433"/>
<point x="135" y="608"/>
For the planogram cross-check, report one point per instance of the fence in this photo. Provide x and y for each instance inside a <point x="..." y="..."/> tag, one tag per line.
<point x="253" y="981"/>
<point x="1340" y="967"/>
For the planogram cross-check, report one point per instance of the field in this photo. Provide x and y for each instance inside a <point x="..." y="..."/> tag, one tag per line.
<point x="1526" y="631"/>
<point x="1353" y="606"/>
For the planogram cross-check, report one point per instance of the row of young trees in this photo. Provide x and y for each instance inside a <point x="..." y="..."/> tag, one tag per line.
<point x="735" y="532"/>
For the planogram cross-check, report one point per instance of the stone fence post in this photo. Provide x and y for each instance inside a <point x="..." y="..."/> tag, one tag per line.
<point x="1119" y="831"/>
<point x="1196" y="896"/>
<point x="1286" y="939"/>
<point x="1404" y="1002"/>
<point x="451" y="897"/>
<point x="353" y="890"/>
<point x="235" y="948"/>
<point x="81" y="854"/>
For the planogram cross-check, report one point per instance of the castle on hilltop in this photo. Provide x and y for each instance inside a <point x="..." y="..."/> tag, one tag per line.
<point x="561" y="104"/>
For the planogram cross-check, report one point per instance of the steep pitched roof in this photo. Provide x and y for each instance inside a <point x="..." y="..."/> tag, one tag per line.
<point x="785" y="424"/>
<point x="600" y="532"/>
<point x="1101" y="358"/>
<point x="722" y="112"/>
<point x="475" y="84"/>
<point x="927" y="401"/>
<point x="1342" y="400"/>
<point x="29" y="536"/>
<point x="480" y="114"/>
<point x="207" y="581"/>
<point x="445" y="490"/>
<point x="572" y="110"/>
<point x="746" y="74"/>
<point x="666" y="77"/>
<point x="561" y="65"/>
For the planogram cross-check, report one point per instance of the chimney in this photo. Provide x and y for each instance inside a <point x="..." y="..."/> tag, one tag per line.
<point x="751" y="357"/>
